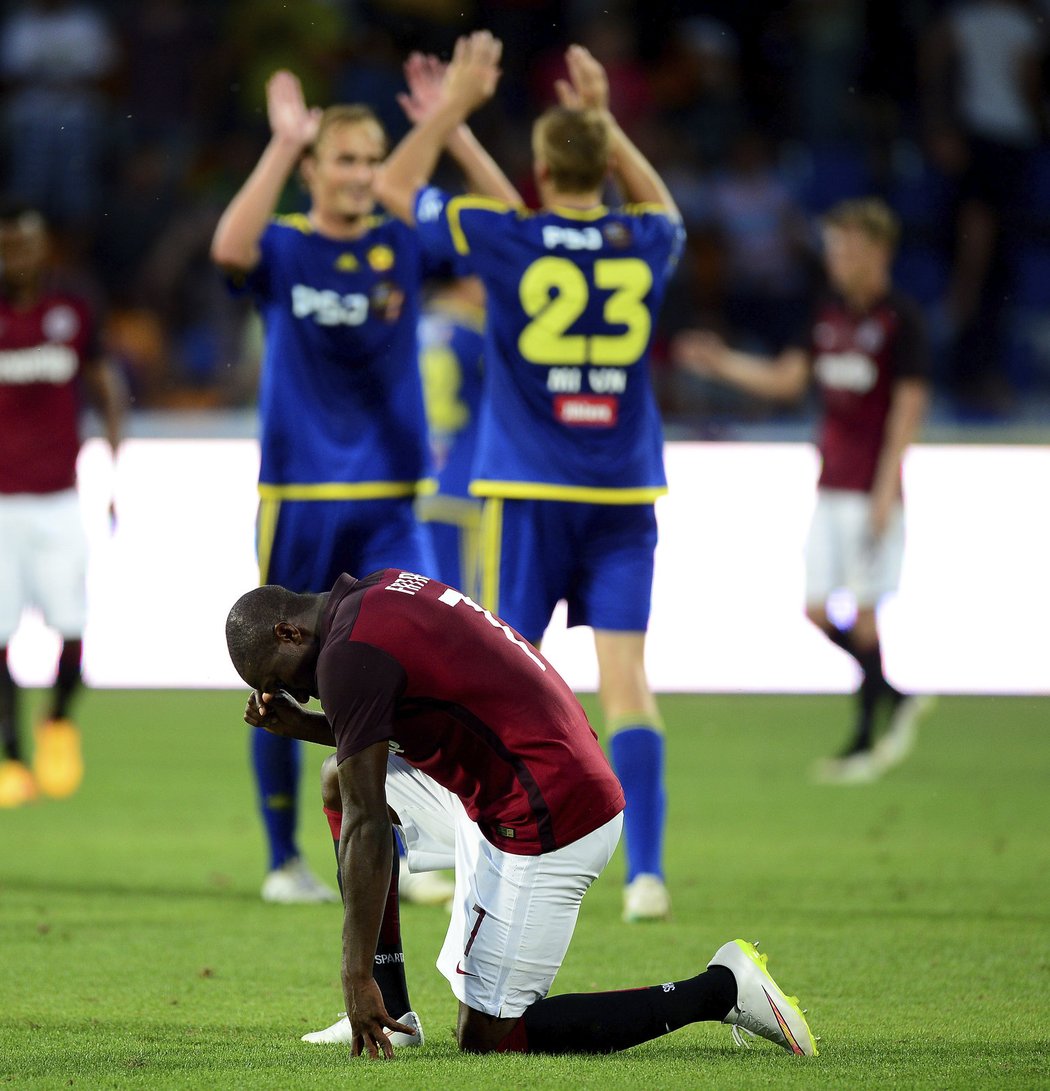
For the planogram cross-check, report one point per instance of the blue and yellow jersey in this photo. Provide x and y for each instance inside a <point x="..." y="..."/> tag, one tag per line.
<point x="451" y="339"/>
<point x="340" y="398"/>
<point x="569" y="411"/>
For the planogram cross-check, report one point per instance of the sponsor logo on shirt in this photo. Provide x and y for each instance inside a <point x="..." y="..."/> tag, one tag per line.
<point x="60" y="323"/>
<point x="42" y="364"/>
<point x="850" y="371"/>
<point x="556" y="237"/>
<point x="328" y="308"/>
<point x="586" y="411"/>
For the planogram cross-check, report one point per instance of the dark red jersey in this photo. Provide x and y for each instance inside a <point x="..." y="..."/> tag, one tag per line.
<point x="857" y="357"/>
<point x="468" y="701"/>
<point x="42" y="349"/>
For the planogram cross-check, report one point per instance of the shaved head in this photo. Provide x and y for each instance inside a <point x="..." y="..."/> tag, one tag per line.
<point x="251" y="625"/>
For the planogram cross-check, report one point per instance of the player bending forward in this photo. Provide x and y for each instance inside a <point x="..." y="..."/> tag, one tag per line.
<point x="445" y="715"/>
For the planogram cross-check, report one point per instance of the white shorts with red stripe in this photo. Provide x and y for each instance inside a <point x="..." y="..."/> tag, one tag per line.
<point x="512" y="916"/>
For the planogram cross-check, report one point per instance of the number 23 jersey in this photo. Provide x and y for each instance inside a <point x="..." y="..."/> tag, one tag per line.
<point x="572" y="297"/>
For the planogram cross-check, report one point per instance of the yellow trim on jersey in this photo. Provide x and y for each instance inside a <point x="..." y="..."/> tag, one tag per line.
<point x="265" y="529"/>
<point x="578" y="213"/>
<point x="298" y="221"/>
<point x="470" y="561"/>
<point x="469" y="201"/>
<point x="458" y="510"/>
<point x="490" y="538"/>
<point x="342" y="490"/>
<point x="580" y="494"/>
<point x="643" y="207"/>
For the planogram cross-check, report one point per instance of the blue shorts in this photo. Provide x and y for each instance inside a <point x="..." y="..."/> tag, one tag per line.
<point x="598" y="557"/>
<point x="305" y="545"/>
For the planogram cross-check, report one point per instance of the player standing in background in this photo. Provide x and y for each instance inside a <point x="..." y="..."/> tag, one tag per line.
<point x="570" y="445"/>
<point x="448" y="723"/>
<point x="451" y="339"/>
<point x="48" y="347"/>
<point x="865" y="348"/>
<point x="343" y="432"/>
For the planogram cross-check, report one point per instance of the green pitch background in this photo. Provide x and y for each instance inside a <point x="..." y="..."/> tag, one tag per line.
<point x="911" y="916"/>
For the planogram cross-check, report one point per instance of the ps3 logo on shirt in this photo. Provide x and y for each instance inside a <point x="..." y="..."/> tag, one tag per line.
<point x="430" y="206"/>
<point x="329" y="308"/>
<point x="572" y="238"/>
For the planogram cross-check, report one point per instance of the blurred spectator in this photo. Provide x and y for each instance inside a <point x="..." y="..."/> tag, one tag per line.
<point x="982" y="80"/>
<point x="765" y="237"/>
<point x="54" y="57"/>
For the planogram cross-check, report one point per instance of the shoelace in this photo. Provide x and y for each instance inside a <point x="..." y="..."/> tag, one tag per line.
<point x="738" y="1036"/>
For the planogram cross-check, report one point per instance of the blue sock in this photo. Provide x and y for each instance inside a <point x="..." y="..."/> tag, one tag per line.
<point x="637" y="755"/>
<point x="276" y="763"/>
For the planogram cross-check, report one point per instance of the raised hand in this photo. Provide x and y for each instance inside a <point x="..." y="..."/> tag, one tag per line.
<point x="588" y="86"/>
<point x="474" y="71"/>
<point x="290" y="118"/>
<point x="425" y="76"/>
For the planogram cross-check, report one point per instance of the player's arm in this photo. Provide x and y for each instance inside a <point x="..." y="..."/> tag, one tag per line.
<point x="109" y="392"/>
<point x="364" y="867"/>
<point x="781" y="378"/>
<point x="470" y="80"/>
<point x="907" y="410"/>
<point x="235" y="244"/>
<point x="588" y="88"/>
<point x="425" y="76"/>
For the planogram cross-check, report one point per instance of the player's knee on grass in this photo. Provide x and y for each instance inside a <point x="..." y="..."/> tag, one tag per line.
<point x="330" y="784"/>
<point x="477" y="1032"/>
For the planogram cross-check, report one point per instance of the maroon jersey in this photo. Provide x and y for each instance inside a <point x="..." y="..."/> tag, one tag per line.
<point x="42" y="349"/>
<point x="468" y="701"/>
<point x="857" y="357"/>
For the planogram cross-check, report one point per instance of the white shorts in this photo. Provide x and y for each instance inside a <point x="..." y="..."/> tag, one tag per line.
<point x="43" y="561"/>
<point x="840" y="554"/>
<point x="512" y="916"/>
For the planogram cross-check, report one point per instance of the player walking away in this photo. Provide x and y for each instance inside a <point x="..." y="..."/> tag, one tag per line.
<point x="48" y="345"/>
<point x="449" y="723"/>
<point x="451" y="340"/>
<point x="865" y="349"/>
<point x="570" y="447"/>
<point x="343" y="431"/>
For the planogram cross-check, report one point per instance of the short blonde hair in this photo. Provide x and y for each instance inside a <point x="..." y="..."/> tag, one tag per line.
<point x="574" y="144"/>
<point x="347" y="114"/>
<point x="870" y="215"/>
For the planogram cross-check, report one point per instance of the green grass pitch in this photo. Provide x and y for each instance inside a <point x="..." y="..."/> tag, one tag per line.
<point x="911" y="916"/>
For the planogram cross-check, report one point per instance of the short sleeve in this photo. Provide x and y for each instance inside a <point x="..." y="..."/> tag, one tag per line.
<point x="256" y="283"/>
<point x="911" y="356"/>
<point x="359" y="686"/>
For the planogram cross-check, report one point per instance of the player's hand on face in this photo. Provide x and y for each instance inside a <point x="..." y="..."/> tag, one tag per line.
<point x="286" y="108"/>
<point x="276" y="712"/>
<point x="472" y="75"/>
<point x="369" y="1020"/>
<point x="588" y="88"/>
<point x="425" y="76"/>
<point x="699" y="351"/>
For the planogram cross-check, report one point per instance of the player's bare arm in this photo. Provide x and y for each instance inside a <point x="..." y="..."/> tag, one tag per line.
<point x="782" y="378"/>
<point x="588" y="88"/>
<point x="907" y="410"/>
<point x="470" y="80"/>
<point x="364" y="865"/>
<point x="281" y="714"/>
<point x="425" y="76"/>
<point x="293" y="127"/>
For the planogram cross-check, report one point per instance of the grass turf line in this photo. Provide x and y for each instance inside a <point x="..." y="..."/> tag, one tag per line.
<point x="911" y="916"/>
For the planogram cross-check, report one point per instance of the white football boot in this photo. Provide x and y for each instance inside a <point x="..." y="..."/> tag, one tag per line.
<point x="645" y="898"/>
<point x="424" y="887"/>
<point x="340" y="1034"/>
<point x="902" y="731"/>
<point x="293" y="883"/>
<point x="762" y="1009"/>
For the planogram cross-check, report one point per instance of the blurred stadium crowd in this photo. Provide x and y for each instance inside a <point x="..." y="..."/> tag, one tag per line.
<point x="132" y="122"/>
